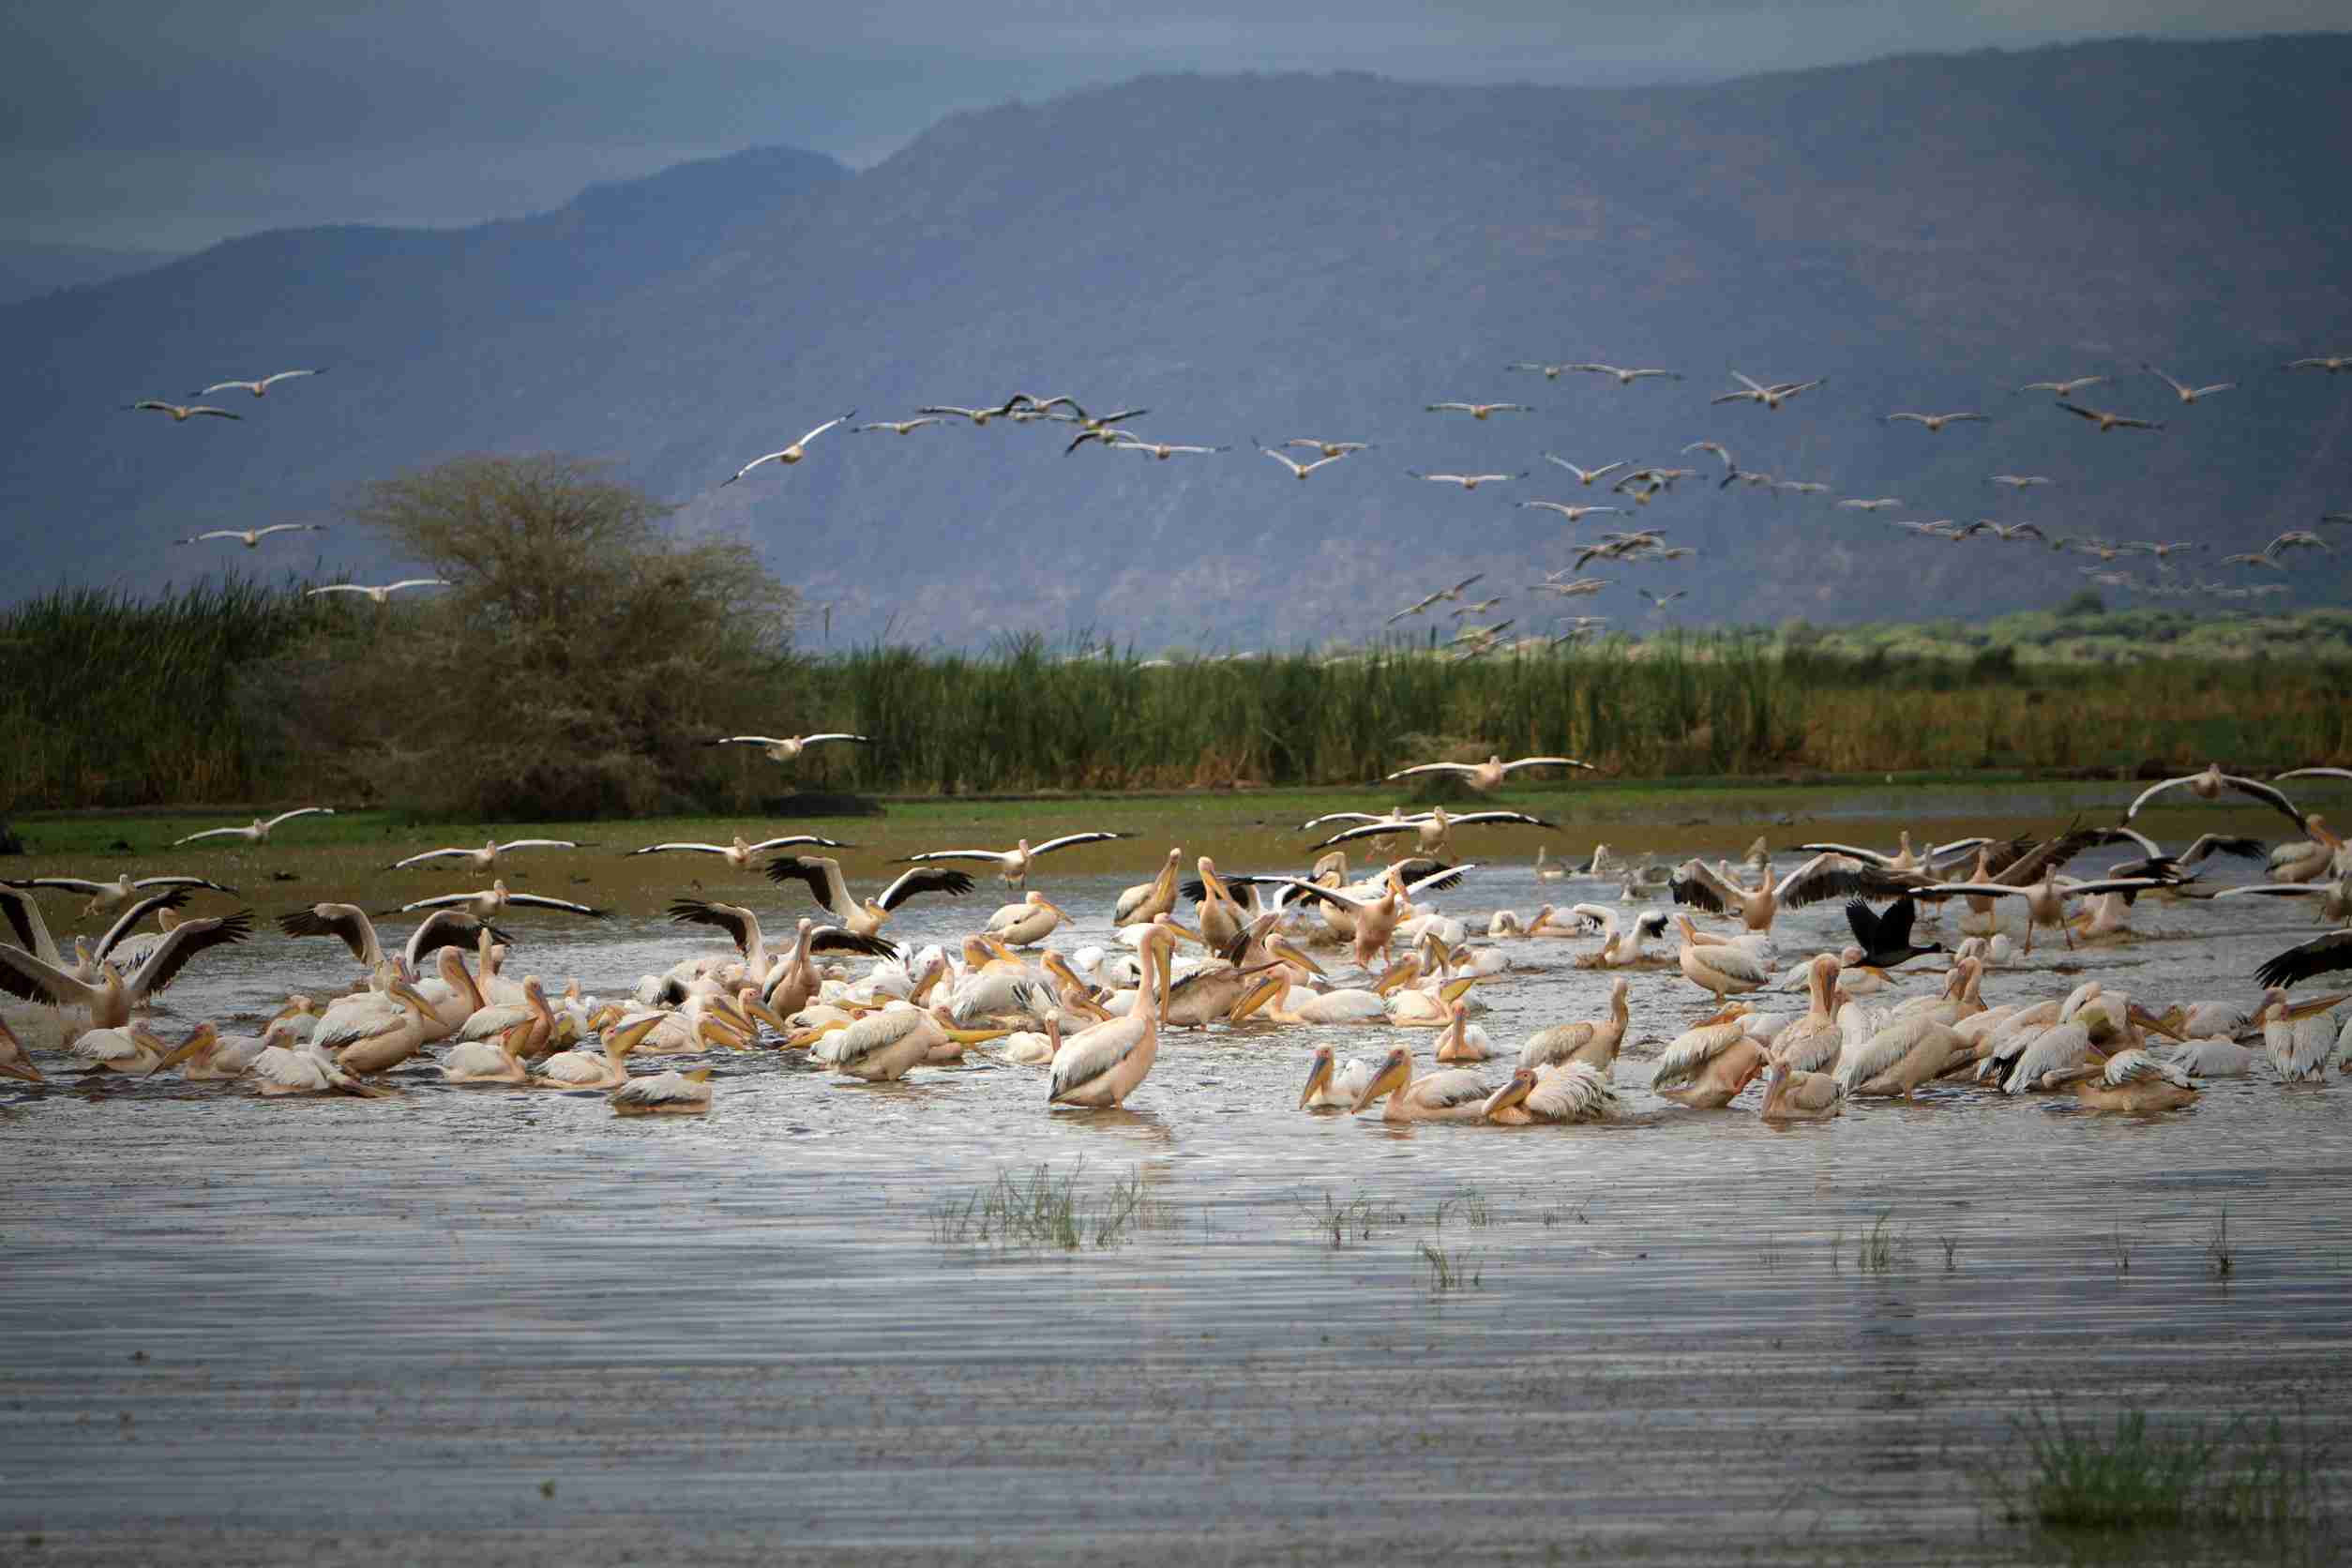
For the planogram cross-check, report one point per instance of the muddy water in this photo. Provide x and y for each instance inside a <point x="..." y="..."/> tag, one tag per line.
<point x="503" y="1324"/>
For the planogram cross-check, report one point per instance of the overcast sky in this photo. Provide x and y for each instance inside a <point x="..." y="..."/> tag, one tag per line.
<point x="142" y="125"/>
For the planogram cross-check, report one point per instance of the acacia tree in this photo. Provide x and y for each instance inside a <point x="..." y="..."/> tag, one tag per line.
<point x="579" y="656"/>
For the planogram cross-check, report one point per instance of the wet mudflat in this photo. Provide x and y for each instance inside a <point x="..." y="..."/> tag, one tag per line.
<point x="503" y="1325"/>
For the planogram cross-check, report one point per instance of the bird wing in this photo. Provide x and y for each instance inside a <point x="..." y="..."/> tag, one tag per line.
<point x="2078" y="410"/>
<point x="924" y="880"/>
<point x="445" y="929"/>
<point x="128" y="920"/>
<point x="2155" y="789"/>
<point x="768" y="457"/>
<point x="833" y="938"/>
<point x="209" y="833"/>
<point x="2122" y="834"/>
<point x="1548" y="762"/>
<point x="745" y="740"/>
<point x="2279" y="890"/>
<point x="1502" y="816"/>
<point x="300" y="811"/>
<point x="347" y="922"/>
<point x="1825" y="876"/>
<point x="2319" y="956"/>
<point x="1695" y="883"/>
<point x="834" y="735"/>
<point x="2270" y="795"/>
<point x="1315" y="890"/>
<point x="821" y="877"/>
<point x="443" y="901"/>
<point x="701" y="849"/>
<point x="542" y="902"/>
<point x="1429" y="767"/>
<point x="736" y="922"/>
<point x="1851" y="852"/>
<point x="997" y="856"/>
<point x="24" y="919"/>
<point x="790" y="839"/>
<point x="416" y="583"/>
<point x="536" y="844"/>
<point x="1743" y="380"/>
<point x="1439" y="879"/>
<point x="183" y="941"/>
<point x="33" y="979"/>
<point x="1069" y="838"/>
<point x="336" y="588"/>
<point x="1865" y="922"/>
<point x="826" y="426"/>
<point x="2317" y="773"/>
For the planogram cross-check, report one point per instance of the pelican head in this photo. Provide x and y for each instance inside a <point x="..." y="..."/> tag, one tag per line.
<point x="2277" y="1005"/>
<point x="1394" y="1072"/>
<point x="1290" y="955"/>
<point x="1318" y="1071"/>
<point x="1520" y="1085"/>
<point x="199" y="1044"/>
<point x="1257" y="996"/>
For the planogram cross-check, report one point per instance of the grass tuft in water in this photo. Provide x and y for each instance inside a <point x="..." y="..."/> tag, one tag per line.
<point x="1471" y="1204"/>
<point x="1882" y="1247"/>
<point x="2217" y="1248"/>
<point x="1041" y="1210"/>
<point x="1452" y="1269"/>
<point x="2254" y="1474"/>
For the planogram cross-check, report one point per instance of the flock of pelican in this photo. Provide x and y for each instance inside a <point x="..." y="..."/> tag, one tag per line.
<point x="1235" y="953"/>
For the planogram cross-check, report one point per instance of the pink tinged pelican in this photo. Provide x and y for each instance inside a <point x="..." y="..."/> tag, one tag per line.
<point x="14" y="1063"/>
<point x="2299" y="1036"/>
<point x="1331" y="1086"/>
<point x="1592" y="1042"/>
<point x="1014" y="864"/>
<point x="1791" y="1095"/>
<point x="1102" y="1066"/>
<point x="1711" y="1062"/>
<point x="672" y="1093"/>
<point x="1560" y="1091"/>
<point x="1448" y="1095"/>
<point x="1489" y="773"/>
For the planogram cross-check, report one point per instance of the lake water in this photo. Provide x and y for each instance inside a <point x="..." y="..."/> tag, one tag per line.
<point x="504" y="1325"/>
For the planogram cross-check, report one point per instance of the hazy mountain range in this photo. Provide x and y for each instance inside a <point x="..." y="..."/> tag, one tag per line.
<point x="28" y="271"/>
<point x="1278" y="256"/>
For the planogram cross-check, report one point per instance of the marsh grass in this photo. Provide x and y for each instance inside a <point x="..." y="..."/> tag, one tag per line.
<point x="1039" y="1212"/>
<point x="1471" y="1204"/>
<point x="2252" y="1474"/>
<point x="1882" y="1246"/>
<point x="2218" y="1251"/>
<point x="1356" y="1221"/>
<point x="1449" y="1269"/>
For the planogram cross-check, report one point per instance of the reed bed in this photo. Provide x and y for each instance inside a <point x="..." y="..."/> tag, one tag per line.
<point x="123" y="701"/>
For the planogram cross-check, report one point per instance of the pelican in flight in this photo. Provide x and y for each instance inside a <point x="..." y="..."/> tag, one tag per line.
<point x="182" y="411"/>
<point x="792" y="454"/>
<point x="823" y="877"/>
<point x="1298" y="470"/>
<point x="494" y="900"/>
<point x="109" y="997"/>
<point x="1479" y="411"/>
<point x="2004" y="531"/>
<point x="1454" y="593"/>
<point x="1625" y="377"/>
<point x="2064" y="388"/>
<point x="783" y="749"/>
<point x="382" y="595"/>
<point x="1329" y="449"/>
<point x="1375" y="914"/>
<point x="1876" y="503"/>
<point x="1658" y="602"/>
<point x="2209" y="785"/>
<point x="2106" y="421"/>
<point x="2182" y="390"/>
<point x="1933" y="422"/>
<point x="1012" y="864"/>
<point x="349" y="924"/>
<point x="1770" y="396"/>
<point x="1825" y="876"/>
<point x="1489" y="773"/>
<point x="487" y="857"/>
<point x="252" y="537"/>
<point x="1434" y="827"/>
<point x="738" y="854"/>
<point x="1574" y="514"/>
<point x="259" y="388"/>
<point x="1448" y="1095"/>
<point x="2335" y="364"/>
<point x="1584" y="475"/>
<point x="896" y="427"/>
<point x="108" y="896"/>
<point x="982" y="415"/>
<point x="1468" y="481"/>
<point x="1101" y="1065"/>
<point x="2021" y="481"/>
<point x="1162" y="450"/>
<point x="1549" y="373"/>
<point x="259" y="830"/>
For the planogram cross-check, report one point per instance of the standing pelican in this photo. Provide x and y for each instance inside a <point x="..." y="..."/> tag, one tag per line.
<point x="2298" y="1036"/>
<point x="1102" y="1066"/>
<point x="1720" y="967"/>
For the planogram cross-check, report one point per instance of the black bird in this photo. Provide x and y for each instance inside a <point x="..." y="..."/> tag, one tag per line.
<point x="2322" y="955"/>
<point x="1885" y="936"/>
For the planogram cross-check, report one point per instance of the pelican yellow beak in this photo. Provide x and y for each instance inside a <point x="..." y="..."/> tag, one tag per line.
<point x="1510" y="1093"/>
<point x="628" y="1039"/>
<point x="973" y="1036"/>
<point x="1454" y="990"/>
<point x="2297" y="1010"/>
<point x="809" y="1037"/>
<point x="1178" y="929"/>
<point x="1318" y="1074"/>
<point x="1403" y="972"/>
<point x="700" y="1075"/>
<point x="1257" y="996"/>
<point x="201" y="1035"/>
<point x="1393" y="1074"/>
<point x="1290" y="955"/>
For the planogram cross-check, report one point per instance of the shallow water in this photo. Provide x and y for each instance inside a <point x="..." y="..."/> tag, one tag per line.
<point x="374" y="1329"/>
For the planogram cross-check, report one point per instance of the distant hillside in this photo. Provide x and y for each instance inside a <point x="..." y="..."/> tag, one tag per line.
<point x="27" y="271"/>
<point x="1317" y="256"/>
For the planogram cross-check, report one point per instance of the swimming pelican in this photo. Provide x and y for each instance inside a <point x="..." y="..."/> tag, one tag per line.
<point x="1563" y="1091"/>
<point x="1448" y="1095"/>
<point x="783" y="749"/>
<point x="1014" y="864"/>
<point x="108" y="995"/>
<point x="1711" y="1062"/>
<point x="1720" y="967"/>
<point x="1489" y="773"/>
<point x="738" y="854"/>
<point x="1330" y="1087"/>
<point x="792" y="454"/>
<point x="380" y="595"/>
<point x="672" y="1093"/>
<point x="494" y="900"/>
<point x="1897" y="1059"/>
<point x="1102" y="1066"/>
<point x="1546" y="870"/>
<point x="1792" y="1094"/>
<point x="130" y="1048"/>
<point x="259" y="388"/>
<point x="1811" y="1043"/>
<point x="1593" y="1041"/>
<point x="606" y="1068"/>
<point x="2133" y="1081"/>
<point x="487" y="857"/>
<point x="1461" y="1040"/>
<point x="260" y="831"/>
<point x="180" y="412"/>
<point x="252" y="537"/>
<point x="375" y="1042"/>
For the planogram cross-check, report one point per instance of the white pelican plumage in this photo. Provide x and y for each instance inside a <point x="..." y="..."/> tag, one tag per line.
<point x="182" y="411"/>
<point x="822" y="876"/>
<point x="1489" y="773"/>
<point x="605" y="1068"/>
<point x="789" y="454"/>
<point x="1479" y="411"/>
<point x="1460" y="1040"/>
<point x="252" y="537"/>
<point x="1825" y="876"/>
<point x="1027" y="923"/>
<point x="2133" y="1081"/>
<point x="1433" y="829"/>
<point x="2299" y="1036"/>
<point x="1144" y="902"/>
<point x="258" y="388"/>
<point x="485" y="858"/>
<point x="1722" y="967"/>
<point x="108" y="996"/>
<point x="1467" y="481"/>
<point x="1331" y="1086"/>
<point x="783" y="749"/>
<point x="1102" y="1066"/>
<point x="382" y="593"/>
<point x="1593" y="1042"/>
<point x="672" y="1093"/>
<point x="898" y="427"/>
<point x="1300" y="470"/>
<point x="1769" y="396"/>
<point x="2182" y="390"/>
<point x="1560" y="1092"/>
<point x="736" y="853"/>
<point x="1625" y="377"/>
<point x="494" y="900"/>
<point x="379" y="1040"/>
<point x="2209" y="785"/>
<point x="107" y="897"/>
<point x="1448" y="1095"/>
<point x="209" y="1056"/>
<point x="1014" y="864"/>
<point x="1933" y="422"/>
<point x="1329" y="449"/>
<point x="131" y="1048"/>
<point x="1792" y="1095"/>
<point x="349" y="924"/>
<point x="2106" y="421"/>
<point x="1584" y="475"/>
<point x="1375" y="916"/>
<point x="1710" y="1063"/>
<point x="259" y="830"/>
